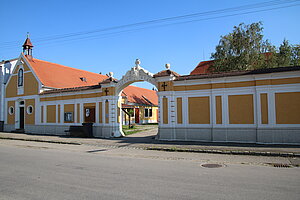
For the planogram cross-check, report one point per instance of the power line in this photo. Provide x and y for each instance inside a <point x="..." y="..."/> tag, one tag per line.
<point x="152" y="23"/>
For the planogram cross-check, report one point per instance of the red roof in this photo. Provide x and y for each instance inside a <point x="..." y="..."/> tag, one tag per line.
<point x="140" y="95"/>
<point x="202" y="68"/>
<point x="60" y="76"/>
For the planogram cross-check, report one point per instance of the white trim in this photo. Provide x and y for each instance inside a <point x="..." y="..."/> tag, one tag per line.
<point x="20" y="89"/>
<point x="27" y="109"/>
<point x="11" y="112"/>
<point x="241" y="78"/>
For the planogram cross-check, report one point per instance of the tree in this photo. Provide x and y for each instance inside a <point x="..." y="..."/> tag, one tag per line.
<point x="284" y="56"/>
<point x="296" y="55"/>
<point x="244" y="49"/>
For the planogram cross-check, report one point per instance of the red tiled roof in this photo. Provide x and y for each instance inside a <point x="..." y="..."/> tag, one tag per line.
<point x="60" y="76"/>
<point x="238" y="73"/>
<point x="202" y="68"/>
<point x="67" y="79"/>
<point x="140" y="95"/>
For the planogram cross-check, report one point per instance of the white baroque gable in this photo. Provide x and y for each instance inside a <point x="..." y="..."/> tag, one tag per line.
<point x="135" y="74"/>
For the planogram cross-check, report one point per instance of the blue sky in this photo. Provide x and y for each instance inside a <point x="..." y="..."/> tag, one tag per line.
<point x="182" y="45"/>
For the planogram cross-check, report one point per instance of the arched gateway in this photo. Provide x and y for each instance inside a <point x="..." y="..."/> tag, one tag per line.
<point x="112" y="88"/>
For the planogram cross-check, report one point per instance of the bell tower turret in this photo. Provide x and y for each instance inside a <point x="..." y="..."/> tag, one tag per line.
<point x="27" y="47"/>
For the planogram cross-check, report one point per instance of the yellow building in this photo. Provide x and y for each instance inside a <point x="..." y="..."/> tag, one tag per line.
<point x="47" y="98"/>
<point x="258" y="106"/>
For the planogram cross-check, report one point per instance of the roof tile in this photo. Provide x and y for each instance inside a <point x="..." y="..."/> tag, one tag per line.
<point x="59" y="76"/>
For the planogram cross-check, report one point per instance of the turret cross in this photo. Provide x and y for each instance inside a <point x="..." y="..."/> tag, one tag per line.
<point x="106" y="91"/>
<point x="164" y="85"/>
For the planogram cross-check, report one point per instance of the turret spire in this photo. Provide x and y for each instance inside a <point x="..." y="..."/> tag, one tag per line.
<point x="27" y="46"/>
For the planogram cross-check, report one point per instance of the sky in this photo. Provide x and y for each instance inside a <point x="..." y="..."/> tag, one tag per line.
<point x="94" y="35"/>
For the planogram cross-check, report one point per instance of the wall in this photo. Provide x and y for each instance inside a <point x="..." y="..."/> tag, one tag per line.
<point x="31" y="84"/>
<point x="145" y="120"/>
<point x="262" y="108"/>
<point x="11" y="117"/>
<point x="30" y="118"/>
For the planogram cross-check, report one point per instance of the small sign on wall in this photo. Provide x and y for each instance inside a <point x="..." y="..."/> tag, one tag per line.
<point x="87" y="112"/>
<point x="68" y="116"/>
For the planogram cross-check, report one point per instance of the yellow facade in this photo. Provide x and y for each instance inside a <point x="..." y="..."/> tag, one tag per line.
<point x="287" y="108"/>
<point x="51" y="113"/>
<point x="71" y="97"/>
<point x="199" y="110"/>
<point x="30" y="118"/>
<point x="16" y="69"/>
<point x="109" y="91"/>
<point x="179" y="110"/>
<point x="241" y="109"/>
<point x="264" y="108"/>
<point x="11" y="117"/>
<point x="100" y="113"/>
<point x="165" y="86"/>
<point x="154" y="113"/>
<point x="237" y="84"/>
<point x="31" y="86"/>
<point x="165" y="111"/>
<point x="11" y="87"/>
<point x="218" y="110"/>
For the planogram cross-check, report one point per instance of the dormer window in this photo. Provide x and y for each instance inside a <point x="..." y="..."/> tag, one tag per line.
<point x="20" y="77"/>
<point x="83" y="79"/>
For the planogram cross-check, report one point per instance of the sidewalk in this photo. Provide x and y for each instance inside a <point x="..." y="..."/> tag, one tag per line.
<point x="146" y="141"/>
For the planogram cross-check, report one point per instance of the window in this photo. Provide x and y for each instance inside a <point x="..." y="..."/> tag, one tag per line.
<point x="11" y="110"/>
<point x="68" y="116"/>
<point x="20" y="77"/>
<point x="29" y="110"/>
<point x="148" y="112"/>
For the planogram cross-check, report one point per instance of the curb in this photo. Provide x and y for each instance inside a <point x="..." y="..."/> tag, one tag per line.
<point x="37" y="140"/>
<point x="231" y="152"/>
<point x="176" y="149"/>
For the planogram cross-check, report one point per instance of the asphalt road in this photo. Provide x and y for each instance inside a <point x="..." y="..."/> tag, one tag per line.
<point x="32" y="170"/>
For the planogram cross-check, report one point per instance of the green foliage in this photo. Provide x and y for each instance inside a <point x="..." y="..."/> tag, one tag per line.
<point x="284" y="56"/>
<point x="245" y="49"/>
<point x="296" y="55"/>
<point x="130" y="112"/>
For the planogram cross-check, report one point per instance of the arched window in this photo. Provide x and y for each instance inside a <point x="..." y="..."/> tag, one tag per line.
<point x="20" y="77"/>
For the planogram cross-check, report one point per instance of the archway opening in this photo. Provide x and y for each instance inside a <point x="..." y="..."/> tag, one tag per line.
<point x="139" y="110"/>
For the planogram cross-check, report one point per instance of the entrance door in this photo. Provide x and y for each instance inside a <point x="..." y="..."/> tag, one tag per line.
<point x="22" y="118"/>
<point x="89" y="116"/>
<point x="137" y="115"/>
